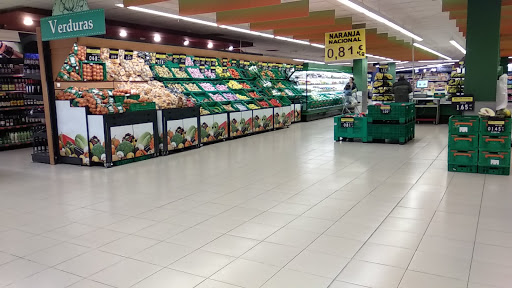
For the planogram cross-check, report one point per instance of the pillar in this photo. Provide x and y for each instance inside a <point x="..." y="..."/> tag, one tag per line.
<point x="392" y="70"/>
<point x="483" y="50"/>
<point x="504" y="64"/>
<point x="361" y="79"/>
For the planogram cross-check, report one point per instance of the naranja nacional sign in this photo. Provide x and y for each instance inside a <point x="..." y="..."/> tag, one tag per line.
<point x="345" y="45"/>
<point x="78" y="24"/>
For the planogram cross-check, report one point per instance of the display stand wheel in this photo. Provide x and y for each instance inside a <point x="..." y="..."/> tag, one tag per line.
<point x="108" y="165"/>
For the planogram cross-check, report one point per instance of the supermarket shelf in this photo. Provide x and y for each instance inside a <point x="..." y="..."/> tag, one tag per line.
<point x="13" y="91"/>
<point x="15" y="144"/>
<point x="20" y="108"/>
<point x="33" y="96"/>
<point x="21" y="126"/>
<point x="32" y="76"/>
<point x="11" y="75"/>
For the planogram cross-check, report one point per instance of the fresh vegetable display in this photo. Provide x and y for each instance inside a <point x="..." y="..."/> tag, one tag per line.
<point x="263" y="103"/>
<point x="254" y="95"/>
<point x="221" y="87"/>
<point x="210" y="74"/>
<point x="207" y="86"/>
<point x="253" y="106"/>
<point x="242" y="97"/>
<point x="222" y="74"/>
<point x="217" y="97"/>
<point x="275" y="102"/>
<point x="163" y="71"/>
<point x="203" y="111"/>
<point x="487" y="112"/>
<point x="195" y="73"/>
<point x="234" y="73"/>
<point x="76" y="147"/>
<point x="179" y="74"/>
<point x="240" y="107"/>
<point x="234" y="85"/>
<point x="228" y="107"/>
<point x="92" y="72"/>
<point x="192" y="87"/>
<point x="230" y="96"/>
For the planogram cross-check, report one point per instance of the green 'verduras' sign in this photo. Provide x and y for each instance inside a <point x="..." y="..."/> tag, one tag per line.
<point x="78" y="24"/>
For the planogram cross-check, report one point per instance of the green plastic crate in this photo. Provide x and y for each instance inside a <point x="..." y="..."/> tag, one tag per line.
<point x="463" y="168"/>
<point x="213" y="107"/>
<point x="142" y="106"/>
<point x="465" y="158"/>
<point x="400" y="132"/>
<point x="359" y="129"/>
<point x="93" y="62"/>
<point x="463" y="143"/>
<point x="201" y="97"/>
<point x="495" y="127"/>
<point x="494" y="159"/>
<point x="464" y="125"/>
<point x="495" y="144"/>
<point x="494" y="170"/>
<point x="399" y="112"/>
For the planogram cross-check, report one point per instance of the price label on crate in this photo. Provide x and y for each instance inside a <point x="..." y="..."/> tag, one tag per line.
<point x="128" y="54"/>
<point x="496" y="126"/>
<point x="385" y="109"/>
<point x="225" y="62"/>
<point x="197" y="61"/>
<point x="160" y="58"/>
<point x="495" y="162"/>
<point x="347" y="122"/>
<point x="201" y="68"/>
<point x="224" y="70"/>
<point x="465" y="103"/>
<point x="207" y="62"/>
<point x="93" y="54"/>
<point x="213" y="62"/>
<point x="183" y="59"/>
<point x="182" y="67"/>
<point x="176" y="58"/>
<point x="113" y="54"/>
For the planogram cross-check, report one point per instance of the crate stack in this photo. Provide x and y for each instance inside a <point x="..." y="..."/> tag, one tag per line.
<point x="479" y="145"/>
<point x="391" y="121"/>
<point x="463" y="144"/>
<point x="350" y="127"/>
<point x="494" y="146"/>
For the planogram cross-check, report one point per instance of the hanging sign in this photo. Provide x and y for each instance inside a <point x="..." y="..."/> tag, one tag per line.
<point x="78" y="24"/>
<point x="465" y="103"/>
<point x="345" y="45"/>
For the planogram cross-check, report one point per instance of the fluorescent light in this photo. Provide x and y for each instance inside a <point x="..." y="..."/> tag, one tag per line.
<point x="379" y="18"/>
<point x="309" y="61"/>
<point x="428" y="66"/>
<point x="379" y="57"/>
<point x="123" y="33"/>
<point x="157" y="38"/>
<point x="186" y="42"/>
<point x="246" y="31"/>
<point x="457" y="45"/>
<point x="435" y="61"/>
<point x="28" y="21"/>
<point x="432" y="51"/>
<point x="318" y="45"/>
<point x="154" y="12"/>
<point x="339" y="64"/>
<point x="230" y="48"/>
<point x="292" y="40"/>
<point x="210" y="45"/>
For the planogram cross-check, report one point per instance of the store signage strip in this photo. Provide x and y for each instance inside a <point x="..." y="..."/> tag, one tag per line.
<point x="79" y="24"/>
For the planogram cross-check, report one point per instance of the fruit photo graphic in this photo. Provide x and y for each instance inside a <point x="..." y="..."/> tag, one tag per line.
<point x="182" y="133"/>
<point x="74" y="147"/>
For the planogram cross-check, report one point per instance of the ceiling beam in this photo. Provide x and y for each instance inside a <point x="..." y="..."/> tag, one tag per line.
<point x="193" y="7"/>
<point x="128" y="3"/>
<point x="317" y="18"/>
<point x="340" y="24"/>
<point x="283" y="11"/>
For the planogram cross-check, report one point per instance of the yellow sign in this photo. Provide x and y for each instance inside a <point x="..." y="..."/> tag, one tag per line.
<point x="496" y="122"/>
<point x="462" y="99"/>
<point x="347" y="119"/>
<point x="345" y="45"/>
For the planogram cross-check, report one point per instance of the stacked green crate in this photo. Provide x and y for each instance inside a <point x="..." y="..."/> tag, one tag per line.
<point x="393" y="121"/>
<point x="463" y="144"/>
<point x="494" y="149"/>
<point x="350" y="126"/>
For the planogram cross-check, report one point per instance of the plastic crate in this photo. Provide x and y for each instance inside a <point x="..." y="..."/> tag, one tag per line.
<point x="495" y="144"/>
<point x="463" y="168"/>
<point x="464" y="125"/>
<point x="494" y="159"/>
<point x="142" y="106"/>
<point x="495" y="126"/>
<point x="95" y="63"/>
<point x="400" y="132"/>
<point x="463" y="143"/>
<point x="201" y="97"/>
<point x="399" y="112"/>
<point x="465" y="158"/>
<point x="350" y="127"/>
<point x="161" y="78"/>
<point x="494" y="170"/>
<point x="213" y="107"/>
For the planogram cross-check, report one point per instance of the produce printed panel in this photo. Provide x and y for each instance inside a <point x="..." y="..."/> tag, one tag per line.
<point x="234" y="124"/>
<point x="96" y="138"/>
<point x="278" y="121"/>
<point x="72" y="129"/>
<point x="297" y="112"/>
<point x="123" y="143"/>
<point x="144" y="141"/>
<point x="206" y="128"/>
<point x="262" y="119"/>
<point x="220" y="126"/>
<point x="287" y="115"/>
<point x="246" y="122"/>
<point x="175" y="135"/>
<point x="191" y="133"/>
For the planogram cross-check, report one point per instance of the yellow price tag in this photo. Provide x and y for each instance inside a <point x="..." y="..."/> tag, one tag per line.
<point x="496" y="122"/>
<point x="462" y="99"/>
<point x="345" y="45"/>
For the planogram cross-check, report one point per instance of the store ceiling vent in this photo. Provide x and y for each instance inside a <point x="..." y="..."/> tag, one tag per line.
<point x="9" y="35"/>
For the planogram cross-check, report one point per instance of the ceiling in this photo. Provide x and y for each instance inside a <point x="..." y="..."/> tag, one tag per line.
<point x="422" y="17"/>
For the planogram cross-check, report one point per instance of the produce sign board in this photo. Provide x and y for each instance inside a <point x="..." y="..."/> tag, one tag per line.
<point x="113" y="54"/>
<point x="128" y="54"/>
<point x="345" y="45"/>
<point x="347" y="122"/>
<point x="496" y="126"/>
<point x="160" y="58"/>
<point x="78" y="24"/>
<point x="385" y="109"/>
<point x="465" y="103"/>
<point x="93" y="54"/>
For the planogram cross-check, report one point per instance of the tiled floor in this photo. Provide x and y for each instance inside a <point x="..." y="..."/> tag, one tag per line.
<point x="285" y="209"/>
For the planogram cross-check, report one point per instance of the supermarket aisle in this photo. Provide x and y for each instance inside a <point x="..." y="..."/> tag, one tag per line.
<point x="283" y="209"/>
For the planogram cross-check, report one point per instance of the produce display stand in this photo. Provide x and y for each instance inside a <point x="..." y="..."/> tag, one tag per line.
<point x="170" y="121"/>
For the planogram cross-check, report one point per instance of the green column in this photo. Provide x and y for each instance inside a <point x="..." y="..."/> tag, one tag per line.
<point x="360" y="74"/>
<point x="483" y="49"/>
<point x="504" y="64"/>
<point x="392" y="70"/>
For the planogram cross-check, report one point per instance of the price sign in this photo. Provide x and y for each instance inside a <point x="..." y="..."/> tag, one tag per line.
<point x="197" y="61"/>
<point x="466" y="103"/>
<point x="345" y="45"/>
<point x="213" y="62"/>
<point x="385" y="109"/>
<point x="496" y="126"/>
<point x="160" y="58"/>
<point x="224" y="70"/>
<point x="93" y="54"/>
<point x="183" y="58"/>
<point x="176" y="58"/>
<point x="201" y="68"/>
<point x="182" y="67"/>
<point x="224" y="62"/>
<point x="113" y="54"/>
<point x="207" y="62"/>
<point x="347" y="122"/>
<point x="128" y="54"/>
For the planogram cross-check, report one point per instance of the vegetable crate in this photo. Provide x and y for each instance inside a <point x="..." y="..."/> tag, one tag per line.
<point x="494" y="159"/>
<point x="397" y="132"/>
<point x="495" y="127"/>
<point x="346" y="127"/>
<point x="396" y="112"/>
<point x="142" y="106"/>
<point x="494" y="170"/>
<point x="464" y="125"/>
<point x="463" y="142"/>
<point x="495" y="144"/>
<point x="466" y="161"/>
<point x="93" y="64"/>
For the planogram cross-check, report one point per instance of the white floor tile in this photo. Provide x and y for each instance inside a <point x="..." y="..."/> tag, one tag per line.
<point x="296" y="279"/>
<point x="51" y="278"/>
<point x="317" y="263"/>
<point x="129" y="245"/>
<point x="194" y="237"/>
<point x="57" y="254"/>
<point x="496" y="238"/>
<point x="89" y="263"/>
<point x="130" y="225"/>
<point x="163" y="253"/>
<point x="86" y="283"/>
<point x="274" y="219"/>
<point x="17" y="270"/>
<point x="292" y="237"/>
<point x="445" y="246"/>
<point x="386" y="255"/>
<point x="254" y="231"/>
<point x="336" y="246"/>
<point x="230" y="245"/>
<point x="170" y="278"/>
<point x="97" y="238"/>
<point x="245" y="273"/>
<point x="413" y="279"/>
<point x="493" y="254"/>
<point x="161" y="231"/>
<point x="340" y="284"/>
<point x="202" y="263"/>
<point x="371" y="274"/>
<point x="208" y="283"/>
<point x="125" y="273"/>
<point x="490" y="274"/>
<point x="271" y="253"/>
<point x="396" y="238"/>
<point x="442" y="265"/>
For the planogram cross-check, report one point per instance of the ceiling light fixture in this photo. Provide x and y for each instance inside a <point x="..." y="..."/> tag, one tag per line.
<point x="434" y="61"/>
<point x="292" y="40"/>
<point x="457" y="45"/>
<point x="380" y="19"/>
<point x="123" y="33"/>
<point x="318" y="45"/>
<point x="157" y="38"/>
<point x="154" y="12"/>
<point x="339" y="64"/>
<point x="210" y="45"/>
<point x="28" y="21"/>
<point x="186" y="42"/>
<point x="309" y="61"/>
<point x="379" y="57"/>
<point x="246" y="31"/>
<point x="426" y="67"/>
<point x="432" y="51"/>
<point x="231" y="48"/>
